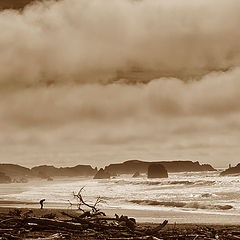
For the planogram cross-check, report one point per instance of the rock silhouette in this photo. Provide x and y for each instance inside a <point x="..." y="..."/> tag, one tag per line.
<point x="157" y="171"/>
<point x="102" y="174"/>
<point x="231" y="170"/>
<point x="132" y="166"/>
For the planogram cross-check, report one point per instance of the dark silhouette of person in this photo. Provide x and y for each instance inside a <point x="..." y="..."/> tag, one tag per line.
<point x="41" y="203"/>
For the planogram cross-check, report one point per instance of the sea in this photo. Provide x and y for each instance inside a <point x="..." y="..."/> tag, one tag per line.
<point x="187" y="197"/>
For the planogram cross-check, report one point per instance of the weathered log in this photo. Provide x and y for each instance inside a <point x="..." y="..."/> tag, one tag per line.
<point x="137" y="238"/>
<point x="2" y="230"/>
<point x="235" y="232"/>
<point x="51" y="237"/>
<point x="54" y="223"/>
<point x="158" y="228"/>
<point x="10" y="237"/>
<point x="102" y="219"/>
<point x="233" y="237"/>
<point x="93" y="225"/>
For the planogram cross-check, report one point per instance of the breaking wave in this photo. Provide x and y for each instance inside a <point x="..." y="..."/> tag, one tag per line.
<point x="193" y="205"/>
<point x="149" y="183"/>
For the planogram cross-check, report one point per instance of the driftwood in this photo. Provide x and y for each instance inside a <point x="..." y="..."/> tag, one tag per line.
<point x="54" y="223"/>
<point x="158" y="228"/>
<point x="137" y="238"/>
<point x="82" y="202"/>
<point x="92" y="227"/>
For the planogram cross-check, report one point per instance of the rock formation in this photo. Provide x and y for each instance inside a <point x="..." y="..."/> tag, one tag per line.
<point x="131" y="166"/>
<point x="102" y="174"/>
<point x="45" y="171"/>
<point x="157" y="171"/>
<point x="14" y="170"/>
<point x="231" y="170"/>
<point x="18" y="172"/>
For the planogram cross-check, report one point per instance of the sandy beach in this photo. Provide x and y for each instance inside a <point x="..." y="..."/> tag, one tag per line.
<point x="141" y="215"/>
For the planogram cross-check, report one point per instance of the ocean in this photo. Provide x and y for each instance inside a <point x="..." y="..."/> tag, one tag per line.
<point x="199" y="197"/>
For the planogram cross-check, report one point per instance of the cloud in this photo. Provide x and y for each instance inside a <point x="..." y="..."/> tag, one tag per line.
<point x="92" y="41"/>
<point x="92" y="81"/>
<point x="209" y="101"/>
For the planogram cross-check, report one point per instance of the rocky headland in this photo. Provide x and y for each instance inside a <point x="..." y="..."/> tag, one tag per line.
<point x="131" y="166"/>
<point x="231" y="171"/>
<point x="17" y="173"/>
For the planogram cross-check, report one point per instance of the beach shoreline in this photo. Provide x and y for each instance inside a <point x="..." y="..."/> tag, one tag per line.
<point x="143" y="216"/>
<point x="182" y="200"/>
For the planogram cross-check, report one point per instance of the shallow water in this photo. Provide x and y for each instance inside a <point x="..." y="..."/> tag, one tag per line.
<point x="194" y="194"/>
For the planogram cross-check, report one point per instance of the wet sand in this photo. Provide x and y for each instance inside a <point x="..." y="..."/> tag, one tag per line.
<point x="141" y="215"/>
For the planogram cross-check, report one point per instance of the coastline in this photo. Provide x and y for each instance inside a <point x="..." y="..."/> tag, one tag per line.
<point x="39" y="212"/>
<point x="57" y="193"/>
<point x="141" y="216"/>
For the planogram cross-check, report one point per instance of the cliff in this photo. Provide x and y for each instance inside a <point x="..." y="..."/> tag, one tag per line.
<point x="13" y="170"/>
<point x="231" y="170"/>
<point x="131" y="166"/>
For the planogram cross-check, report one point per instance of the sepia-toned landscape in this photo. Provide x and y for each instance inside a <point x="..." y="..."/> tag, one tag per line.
<point x="119" y="119"/>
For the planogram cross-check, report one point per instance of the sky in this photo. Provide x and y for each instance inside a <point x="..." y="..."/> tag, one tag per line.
<point x="97" y="82"/>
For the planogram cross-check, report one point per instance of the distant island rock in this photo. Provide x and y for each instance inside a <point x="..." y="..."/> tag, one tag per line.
<point x="47" y="172"/>
<point x="4" y="178"/>
<point x="21" y="174"/>
<point x="157" y="171"/>
<point x="102" y="174"/>
<point x="14" y="170"/>
<point x="231" y="171"/>
<point x="131" y="166"/>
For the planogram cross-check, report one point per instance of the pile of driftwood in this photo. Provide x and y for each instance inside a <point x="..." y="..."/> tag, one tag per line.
<point x="18" y="225"/>
<point x="93" y="224"/>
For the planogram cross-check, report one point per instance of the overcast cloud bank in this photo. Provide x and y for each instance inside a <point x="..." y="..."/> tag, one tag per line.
<point x="103" y="81"/>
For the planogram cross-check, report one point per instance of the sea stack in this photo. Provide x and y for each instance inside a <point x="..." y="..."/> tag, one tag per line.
<point x="102" y="174"/>
<point x="157" y="171"/>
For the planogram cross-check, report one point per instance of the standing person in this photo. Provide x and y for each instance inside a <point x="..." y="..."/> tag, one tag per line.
<point x="41" y="203"/>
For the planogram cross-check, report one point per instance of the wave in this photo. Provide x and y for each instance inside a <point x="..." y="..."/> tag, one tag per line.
<point x="193" y="205"/>
<point x="152" y="183"/>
